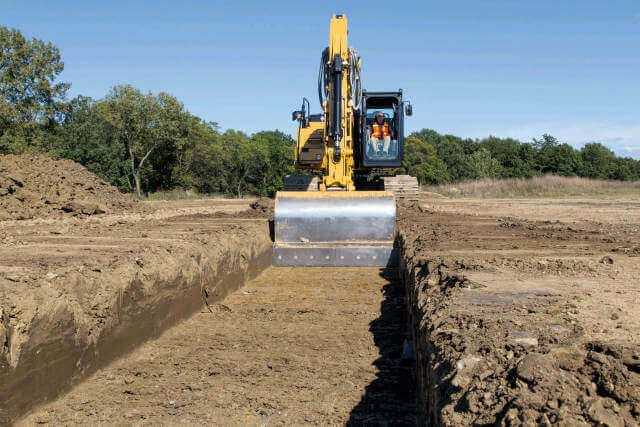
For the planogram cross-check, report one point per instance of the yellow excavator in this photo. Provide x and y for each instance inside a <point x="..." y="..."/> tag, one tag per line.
<point x="342" y="211"/>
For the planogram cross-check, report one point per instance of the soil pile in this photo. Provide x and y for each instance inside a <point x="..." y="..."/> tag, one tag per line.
<point x="263" y="206"/>
<point x="259" y="208"/>
<point x="37" y="186"/>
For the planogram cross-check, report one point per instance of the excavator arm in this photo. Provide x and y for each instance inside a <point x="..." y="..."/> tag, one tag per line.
<point x="339" y="106"/>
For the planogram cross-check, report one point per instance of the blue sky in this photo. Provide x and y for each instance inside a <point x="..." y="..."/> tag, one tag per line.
<point x="472" y="68"/>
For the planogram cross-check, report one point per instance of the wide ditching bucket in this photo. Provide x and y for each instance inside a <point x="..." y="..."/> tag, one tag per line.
<point x="334" y="228"/>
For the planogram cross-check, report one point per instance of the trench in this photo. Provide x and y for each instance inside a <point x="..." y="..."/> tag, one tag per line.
<point x="293" y="345"/>
<point x="59" y="353"/>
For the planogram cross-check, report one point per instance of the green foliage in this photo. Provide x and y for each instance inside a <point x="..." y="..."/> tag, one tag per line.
<point x="492" y="157"/>
<point x="146" y="142"/>
<point x="555" y="158"/>
<point x="133" y="139"/>
<point x="278" y="149"/>
<point x="145" y="124"/>
<point x="31" y="98"/>
<point x="599" y="161"/>
<point x="421" y="160"/>
<point x="86" y="137"/>
<point x="516" y="159"/>
<point x="480" y="165"/>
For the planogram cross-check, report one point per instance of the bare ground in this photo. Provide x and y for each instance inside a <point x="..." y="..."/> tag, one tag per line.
<point x="522" y="312"/>
<point x="294" y="346"/>
<point x="37" y="186"/>
<point x="77" y="292"/>
<point x="525" y="312"/>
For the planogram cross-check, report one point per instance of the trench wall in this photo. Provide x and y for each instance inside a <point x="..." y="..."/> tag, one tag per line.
<point x="57" y="351"/>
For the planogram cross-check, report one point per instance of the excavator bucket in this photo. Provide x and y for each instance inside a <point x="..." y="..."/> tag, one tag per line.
<point x="334" y="228"/>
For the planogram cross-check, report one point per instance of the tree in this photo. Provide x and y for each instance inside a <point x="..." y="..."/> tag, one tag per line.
<point x="516" y="159"/>
<point x="143" y="124"/>
<point x="278" y="149"/>
<point x="449" y="148"/>
<point x="626" y="169"/>
<point x="240" y="163"/>
<point x="86" y="137"/>
<point x="421" y="160"/>
<point x="480" y="165"/>
<point x="555" y="158"/>
<point x="599" y="162"/>
<point x="201" y="159"/>
<point x="31" y="98"/>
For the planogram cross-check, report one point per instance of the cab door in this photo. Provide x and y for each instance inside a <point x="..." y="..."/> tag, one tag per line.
<point x="376" y="154"/>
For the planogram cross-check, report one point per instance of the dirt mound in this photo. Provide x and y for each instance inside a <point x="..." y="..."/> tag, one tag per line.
<point x="259" y="208"/>
<point x="37" y="186"/>
<point x="263" y="205"/>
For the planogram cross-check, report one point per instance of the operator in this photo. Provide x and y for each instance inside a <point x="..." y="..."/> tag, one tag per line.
<point x="380" y="132"/>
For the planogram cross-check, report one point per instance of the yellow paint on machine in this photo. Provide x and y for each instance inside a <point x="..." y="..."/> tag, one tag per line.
<point x="334" y="194"/>
<point x="315" y="147"/>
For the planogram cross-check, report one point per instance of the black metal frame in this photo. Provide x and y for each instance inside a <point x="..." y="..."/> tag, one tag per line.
<point x="394" y="97"/>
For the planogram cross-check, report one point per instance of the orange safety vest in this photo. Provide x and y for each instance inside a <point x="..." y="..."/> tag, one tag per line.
<point x="380" y="131"/>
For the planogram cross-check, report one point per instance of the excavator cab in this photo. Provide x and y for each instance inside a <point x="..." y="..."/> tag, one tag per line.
<point x="374" y="153"/>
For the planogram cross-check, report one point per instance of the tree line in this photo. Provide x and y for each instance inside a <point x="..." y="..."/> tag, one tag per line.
<point x="144" y="142"/>
<point x="437" y="159"/>
<point x="140" y="142"/>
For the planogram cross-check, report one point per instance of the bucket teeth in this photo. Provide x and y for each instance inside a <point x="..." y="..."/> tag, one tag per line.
<point x="334" y="229"/>
<point x="334" y="256"/>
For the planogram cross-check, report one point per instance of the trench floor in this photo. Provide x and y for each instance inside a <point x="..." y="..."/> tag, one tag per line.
<point x="293" y="346"/>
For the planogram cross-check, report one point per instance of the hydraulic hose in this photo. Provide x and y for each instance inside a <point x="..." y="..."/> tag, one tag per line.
<point x="333" y="72"/>
<point x="337" y="105"/>
<point x="322" y="77"/>
<point x="355" y="81"/>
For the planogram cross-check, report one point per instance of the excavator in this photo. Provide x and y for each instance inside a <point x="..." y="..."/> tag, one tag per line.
<point x="341" y="209"/>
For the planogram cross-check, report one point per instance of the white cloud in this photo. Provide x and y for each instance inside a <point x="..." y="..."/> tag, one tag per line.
<point x="632" y="148"/>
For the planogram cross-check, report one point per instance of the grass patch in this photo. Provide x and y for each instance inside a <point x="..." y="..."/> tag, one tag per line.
<point x="539" y="186"/>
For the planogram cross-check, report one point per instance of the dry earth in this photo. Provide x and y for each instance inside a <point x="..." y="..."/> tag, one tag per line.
<point x="78" y="292"/>
<point x="37" y="186"/>
<point x="294" y="346"/>
<point x="525" y="312"/>
<point x="521" y="312"/>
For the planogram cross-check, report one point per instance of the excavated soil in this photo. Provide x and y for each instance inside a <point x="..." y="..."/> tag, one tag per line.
<point x="37" y="186"/>
<point x="77" y="292"/>
<point x="519" y="312"/>
<point x="525" y="312"/>
<point x="294" y="346"/>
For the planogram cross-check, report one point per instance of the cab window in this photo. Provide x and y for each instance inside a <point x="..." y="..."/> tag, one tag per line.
<point x="381" y="139"/>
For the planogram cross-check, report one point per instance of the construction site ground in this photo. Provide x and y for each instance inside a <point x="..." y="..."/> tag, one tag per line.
<point x="525" y="311"/>
<point x="520" y="311"/>
<point x="293" y="346"/>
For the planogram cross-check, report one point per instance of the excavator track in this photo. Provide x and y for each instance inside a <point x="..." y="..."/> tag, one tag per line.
<point x="404" y="187"/>
<point x="300" y="183"/>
